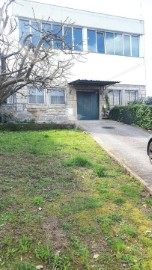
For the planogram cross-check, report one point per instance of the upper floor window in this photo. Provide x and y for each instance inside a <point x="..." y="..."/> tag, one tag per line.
<point x="70" y="37"/>
<point x="57" y="96"/>
<point x="77" y="39"/>
<point x="47" y="30"/>
<point x="24" y="31"/>
<point x="113" y="43"/>
<point x="92" y="41"/>
<point x="73" y="38"/>
<point x="109" y="43"/>
<point x="36" y="96"/>
<point x="95" y="41"/>
<point x="118" y="44"/>
<point x="135" y="46"/>
<point x="127" y="45"/>
<point x="57" y="36"/>
<point x="100" y="42"/>
<point x="36" y="29"/>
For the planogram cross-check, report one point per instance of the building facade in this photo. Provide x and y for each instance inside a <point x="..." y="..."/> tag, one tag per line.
<point x="113" y="64"/>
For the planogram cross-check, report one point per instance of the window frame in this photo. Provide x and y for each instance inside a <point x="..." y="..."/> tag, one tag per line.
<point x="36" y="96"/>
<point x="122" y="41"/>
<point x="10" y="100"/>
<point x="124" y="35"/>
<point x="21" y="32"/>
<point x="103" y="32"/>
<point x="113" y="33"/>
<point x="130" y="92"/>
<point x="95" y="47"/>
<point x="57" y="89"/>
<point x="45" y="42"/>
<point x="35" y="32"/>
<point x="122" y="44"/>
<point x="73" y="38"/>
<point x="132" y="48"/>
<point x="113" y="97"/>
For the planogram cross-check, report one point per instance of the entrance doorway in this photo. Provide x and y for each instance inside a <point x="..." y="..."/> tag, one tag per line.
<point x="88" y="105"/>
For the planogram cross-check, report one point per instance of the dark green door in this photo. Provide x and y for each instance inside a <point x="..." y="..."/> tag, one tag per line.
<point x="88" y="105"/>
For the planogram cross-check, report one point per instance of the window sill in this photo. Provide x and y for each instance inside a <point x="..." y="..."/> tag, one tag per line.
<point x="32" y="105"/>
<point x="56" y="105"/>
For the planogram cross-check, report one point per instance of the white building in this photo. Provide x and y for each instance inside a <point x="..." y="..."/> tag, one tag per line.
<point x="113" y="64"/>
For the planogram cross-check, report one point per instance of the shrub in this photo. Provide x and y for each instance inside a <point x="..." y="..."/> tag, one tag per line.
<point x="136" y="114"/>
<point x="6" y="117"/>
<point x="148" y="101"/>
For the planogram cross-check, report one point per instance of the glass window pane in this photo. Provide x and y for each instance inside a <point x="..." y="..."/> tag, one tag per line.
<point x="57" y="36"/>
<point x="46" y="28"/>
<point x="35" y="33"/>
<point x="32" y="95"/>
<point x="32" y="99"/>
<point x="135" y="46"/>
<point x="126" y="45"/>
<point x="40" y="99"/>
<point x="10" y="99"/>
<point x="91" y="41"/>
<point x="77" y="32"/>
<point x="131" y="96"/>
<point x="57" y="97"/>
<point x="109" y="43"/>
<point x="110" y="96"/>
<point x="36" y="96"/>
<point x="24" y="31"/>
<point x="39" y="96"/>
<point x="68" y="38"/>
<point x="116" y="97"/>
<point x="127" y="97"/>
<point x="100" y="42"/>
<point x="118" y="44"/>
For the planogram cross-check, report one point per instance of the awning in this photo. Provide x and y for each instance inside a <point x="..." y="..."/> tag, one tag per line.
<point x="92" y="82"/>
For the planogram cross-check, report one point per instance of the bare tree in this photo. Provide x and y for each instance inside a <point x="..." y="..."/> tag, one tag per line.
<point x="26" y="63"/>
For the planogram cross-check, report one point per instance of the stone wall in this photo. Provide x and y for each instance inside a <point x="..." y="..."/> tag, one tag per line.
<point x="22" y="110"/>
<point x="60" y="113"/>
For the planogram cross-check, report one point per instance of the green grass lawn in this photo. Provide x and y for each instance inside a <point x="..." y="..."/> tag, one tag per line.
<point x="66" y="205"/>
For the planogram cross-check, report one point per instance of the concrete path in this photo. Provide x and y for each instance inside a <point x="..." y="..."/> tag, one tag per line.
<point x="126" y="144"/>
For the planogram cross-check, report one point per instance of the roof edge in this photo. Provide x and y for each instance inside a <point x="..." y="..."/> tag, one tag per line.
<point x="92" y="82"/>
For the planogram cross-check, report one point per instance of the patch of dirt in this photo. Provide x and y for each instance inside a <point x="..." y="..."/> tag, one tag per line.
<point x="53" y="233"/>
<point x="50" y="187"/>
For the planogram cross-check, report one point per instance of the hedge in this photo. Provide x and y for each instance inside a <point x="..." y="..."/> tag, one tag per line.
<point x="34" y="126"/>
<point x="137" y="114"/>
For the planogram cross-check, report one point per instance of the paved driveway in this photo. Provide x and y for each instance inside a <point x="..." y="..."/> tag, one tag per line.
<point x="125" y="143"/>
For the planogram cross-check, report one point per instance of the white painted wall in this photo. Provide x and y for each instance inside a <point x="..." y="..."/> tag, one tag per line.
<point x="78" y="17"/>
<point x="110" y="67"/>
<point x="127" y="70"/>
